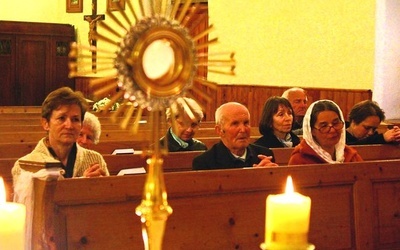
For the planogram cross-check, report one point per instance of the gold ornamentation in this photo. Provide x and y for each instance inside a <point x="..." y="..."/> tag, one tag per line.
<point x="125" y="66"/>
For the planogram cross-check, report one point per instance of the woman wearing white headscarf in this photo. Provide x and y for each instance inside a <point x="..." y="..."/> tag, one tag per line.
<point x="323" y="137"/>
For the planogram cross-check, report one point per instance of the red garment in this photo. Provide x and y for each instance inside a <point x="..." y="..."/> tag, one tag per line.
<point x="304" y="154"/>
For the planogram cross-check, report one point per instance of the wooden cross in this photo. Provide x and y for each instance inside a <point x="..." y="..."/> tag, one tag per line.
<point x="93" y="19"/>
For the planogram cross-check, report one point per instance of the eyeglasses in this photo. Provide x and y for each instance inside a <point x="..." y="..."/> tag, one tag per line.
<point x="324" y="129"/>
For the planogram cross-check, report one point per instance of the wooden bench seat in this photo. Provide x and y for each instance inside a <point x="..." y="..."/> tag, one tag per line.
<point x="20" y="109"/>
<point x="367" y="152"/>
<point x="18" y="119"/>
<point x="104" y="127"/>
<point x="19" y="149"/>
<point x="354" y="206"/>
<point x="182" y="161"/>
<point x="37" y="120"/>
<point x="106" y="135"/>
<point x="173" y="162"/>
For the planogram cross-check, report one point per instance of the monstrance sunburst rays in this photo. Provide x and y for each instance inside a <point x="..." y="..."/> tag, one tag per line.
<point x="121" y="64"/>
<point x="152" y="57"/>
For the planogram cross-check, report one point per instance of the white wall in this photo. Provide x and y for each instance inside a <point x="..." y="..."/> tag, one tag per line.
<point x="387" y="69"/>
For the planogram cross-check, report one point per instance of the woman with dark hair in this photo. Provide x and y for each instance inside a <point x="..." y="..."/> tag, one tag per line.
<point x="364" y="119"/>
<point x="323" y="137"/>
<point x="276" y="124"/>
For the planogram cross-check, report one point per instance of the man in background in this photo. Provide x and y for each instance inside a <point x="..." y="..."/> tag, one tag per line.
<point x="299" y="101"/>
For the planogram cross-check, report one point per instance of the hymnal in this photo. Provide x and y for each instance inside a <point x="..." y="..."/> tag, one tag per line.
<point x="132" y="171"/>
<point x="122" y="151"/>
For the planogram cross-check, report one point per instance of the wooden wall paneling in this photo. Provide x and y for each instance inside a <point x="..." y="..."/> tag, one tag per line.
<point x="60" y="47"/>
<point x="350" y="101"/>
<point x="33" y="64"/>
<point x="7" y="69"/>
<point x="341" y="98"/>
<point x="254" y="97"/>
<point x="312" y="95"/>
<point x="199" y="24"/>
<point x="34" y="67"/>
<point x="82" y="85"/>
<point x="386" y="213"/>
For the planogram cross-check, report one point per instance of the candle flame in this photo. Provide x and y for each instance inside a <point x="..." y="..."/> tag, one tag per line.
<point x="2" y="191"/>
<point x="289" y="185"/>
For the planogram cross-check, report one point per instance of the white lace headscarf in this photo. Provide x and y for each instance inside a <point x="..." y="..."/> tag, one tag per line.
<point x="308" y="137"/>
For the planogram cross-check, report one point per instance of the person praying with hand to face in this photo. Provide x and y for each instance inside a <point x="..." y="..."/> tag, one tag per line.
<point x="364" y="120"/>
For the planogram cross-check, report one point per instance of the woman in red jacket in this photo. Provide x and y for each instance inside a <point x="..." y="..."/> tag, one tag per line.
<point x="323" y="137"/>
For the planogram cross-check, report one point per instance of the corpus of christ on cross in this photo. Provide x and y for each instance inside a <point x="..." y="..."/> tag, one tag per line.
<point x="93" y="19"/>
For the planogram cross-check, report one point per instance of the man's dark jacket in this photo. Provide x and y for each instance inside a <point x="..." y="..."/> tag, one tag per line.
<point x="219" y="157"/>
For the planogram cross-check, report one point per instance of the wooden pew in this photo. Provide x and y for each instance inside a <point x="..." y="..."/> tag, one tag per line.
<point x="19" y="149"/>
<point x="20" y="109"/>
<point x="173" y="162"/>
<point x="113" y="135"/>
<point x="37" y="120"/>
<point x="182" y="161"/>
<point x="39" y="128"/>
<point x="18" y="119"/>
<point x="7" y="137"/>
<point x="282" y="155"/>
<point x="367" y="152"/>
<point x="104" y="127"/>
<point x="354" y="206"/>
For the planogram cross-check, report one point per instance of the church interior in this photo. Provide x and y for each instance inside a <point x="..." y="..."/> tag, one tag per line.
<point x="344" y="51"/>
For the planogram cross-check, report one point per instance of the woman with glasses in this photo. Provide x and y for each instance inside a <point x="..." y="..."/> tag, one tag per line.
<point x="323" y="137"/>
<point x="182" y="128"/>
<point x="276" y="124"/>
<point x="364" y="119"/>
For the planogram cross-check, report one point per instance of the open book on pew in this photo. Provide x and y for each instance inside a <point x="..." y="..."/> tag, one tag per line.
<point x="123" y="151"/>
<point x="129" y="171"/>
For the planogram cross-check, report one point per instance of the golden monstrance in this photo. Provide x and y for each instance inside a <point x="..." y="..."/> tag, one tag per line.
<point x="150" y="56"/>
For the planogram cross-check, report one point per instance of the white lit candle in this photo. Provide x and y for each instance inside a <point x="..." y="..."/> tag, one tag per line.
<point x="12" y="223"/>
<point x="287" y="220"/>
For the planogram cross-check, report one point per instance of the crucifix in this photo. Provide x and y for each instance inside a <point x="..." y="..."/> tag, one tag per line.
<point x="93" y="19"/>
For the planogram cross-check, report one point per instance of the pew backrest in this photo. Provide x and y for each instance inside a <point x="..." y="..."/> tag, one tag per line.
<point x="353" y="207"/>
<point x="367" y="152"/>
